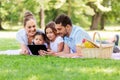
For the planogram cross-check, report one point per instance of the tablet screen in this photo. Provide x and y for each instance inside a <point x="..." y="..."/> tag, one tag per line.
<point x="35" y="48"/>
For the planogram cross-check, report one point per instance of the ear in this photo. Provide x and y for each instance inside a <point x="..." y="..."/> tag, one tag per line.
<point x="67" y="26"/>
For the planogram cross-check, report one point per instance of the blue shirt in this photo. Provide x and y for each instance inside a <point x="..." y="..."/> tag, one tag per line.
<point x="76" y="36"/>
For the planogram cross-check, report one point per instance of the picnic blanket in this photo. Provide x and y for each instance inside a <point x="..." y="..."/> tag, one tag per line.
<point x="11" y="52"/>
<point x="115" y="56"/>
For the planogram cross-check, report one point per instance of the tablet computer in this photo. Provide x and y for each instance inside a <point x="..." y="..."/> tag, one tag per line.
<point x="35" y="48"/>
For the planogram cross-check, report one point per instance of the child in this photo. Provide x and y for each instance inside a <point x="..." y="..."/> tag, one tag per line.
<point x="55" y="42"/>
<point x="39" y="39"/>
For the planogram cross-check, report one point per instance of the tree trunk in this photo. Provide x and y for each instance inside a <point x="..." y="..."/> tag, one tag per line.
<point x="95" y="21"/>
<point x="1" y="24"/>
<point x="1" y="19"/>
<point x="69" y="8"/>
<point x="102" y="22"/>
<point x="41" y="15"/>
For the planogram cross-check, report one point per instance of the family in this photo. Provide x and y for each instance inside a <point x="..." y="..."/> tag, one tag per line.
<point x="60" y="36"/>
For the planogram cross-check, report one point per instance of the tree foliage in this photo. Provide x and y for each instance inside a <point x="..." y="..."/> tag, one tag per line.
<point x="80" y="11"/>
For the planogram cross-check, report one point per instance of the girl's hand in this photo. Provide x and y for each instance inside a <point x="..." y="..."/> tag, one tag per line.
<point x="42" y="52"/>
<point x="50" y="52"/>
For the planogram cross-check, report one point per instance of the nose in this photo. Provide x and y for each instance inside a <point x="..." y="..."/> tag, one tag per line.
<point x="33" y="28"/>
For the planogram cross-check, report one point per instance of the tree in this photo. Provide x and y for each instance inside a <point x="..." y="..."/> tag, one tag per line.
<point x="10" y="14"/>
<point x="99" y="10"/>
<point x="113" y="17"/>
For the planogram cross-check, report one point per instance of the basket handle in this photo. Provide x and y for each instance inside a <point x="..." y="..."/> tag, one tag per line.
<point x="98" y="37"/>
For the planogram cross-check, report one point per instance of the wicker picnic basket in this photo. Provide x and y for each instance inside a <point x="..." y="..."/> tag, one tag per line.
<point x="104" y="50"/>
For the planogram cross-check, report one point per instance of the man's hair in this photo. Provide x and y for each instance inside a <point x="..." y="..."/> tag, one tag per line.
<point x="64" y="20"/>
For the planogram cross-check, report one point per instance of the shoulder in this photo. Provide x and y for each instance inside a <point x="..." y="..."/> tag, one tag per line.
<point x="77" y="28"/>
<point x="21" y="32"/>
<point x="59" y="39"/>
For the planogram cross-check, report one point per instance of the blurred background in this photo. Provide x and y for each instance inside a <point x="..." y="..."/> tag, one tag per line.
<point x="89" y="14"/>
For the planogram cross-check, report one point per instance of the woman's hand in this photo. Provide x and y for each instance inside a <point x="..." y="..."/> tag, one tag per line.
<point x="24" y="49"/>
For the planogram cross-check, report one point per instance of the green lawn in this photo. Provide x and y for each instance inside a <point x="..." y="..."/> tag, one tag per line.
<point x="25" y="67"/>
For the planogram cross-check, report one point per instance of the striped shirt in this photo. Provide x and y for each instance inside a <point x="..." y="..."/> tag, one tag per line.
<point x="76" y="36"/>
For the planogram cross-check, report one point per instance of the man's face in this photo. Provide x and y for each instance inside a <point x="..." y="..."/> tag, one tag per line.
<point x="61" y="30"/>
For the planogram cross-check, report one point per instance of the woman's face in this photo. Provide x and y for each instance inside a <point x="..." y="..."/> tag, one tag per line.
<point x="50" y="34"/>
<point x="30" y="27"/>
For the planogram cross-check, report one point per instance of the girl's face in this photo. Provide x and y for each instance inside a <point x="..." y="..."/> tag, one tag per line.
<point x="38" y="40"/>
<point x="30" y="27"/>
<point x="50" y="34"/>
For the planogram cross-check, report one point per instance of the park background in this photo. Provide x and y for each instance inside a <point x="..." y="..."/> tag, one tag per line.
<point x="90" y="14"/>
<point x="102" y="16"/>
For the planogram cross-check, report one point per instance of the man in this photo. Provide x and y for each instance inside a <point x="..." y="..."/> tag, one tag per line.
<point x="72" y="36"/>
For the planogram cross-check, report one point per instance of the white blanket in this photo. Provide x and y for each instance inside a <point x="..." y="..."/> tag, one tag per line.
<point x="17" y="52"/>
<point x="11" y="52"/>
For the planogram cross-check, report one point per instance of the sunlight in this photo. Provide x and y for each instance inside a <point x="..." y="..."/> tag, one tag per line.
<point x="7" y="71"/>
<point x="92" y="70"/>
<point x="33" y="77"/>
<point x="59" y="3"/>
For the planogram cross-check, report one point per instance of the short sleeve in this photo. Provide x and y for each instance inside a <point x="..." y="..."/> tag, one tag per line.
<point x="21" y="37"/>
<point x="80" y="36"/>
<point x="59" y="39"/>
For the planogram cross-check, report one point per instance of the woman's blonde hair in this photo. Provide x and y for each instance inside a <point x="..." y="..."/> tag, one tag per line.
<point x="27" y="16"/>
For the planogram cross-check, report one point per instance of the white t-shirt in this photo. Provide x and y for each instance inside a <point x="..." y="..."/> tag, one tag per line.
<point x="54" y="45"/>
<point x="21" y="36"/>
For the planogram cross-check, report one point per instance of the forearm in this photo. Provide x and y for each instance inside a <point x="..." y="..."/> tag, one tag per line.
<point x="24" y="49"/>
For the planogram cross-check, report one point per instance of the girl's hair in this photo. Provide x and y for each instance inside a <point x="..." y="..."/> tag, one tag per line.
<point x="27" y="16"/>
<point x="51" y="25"/>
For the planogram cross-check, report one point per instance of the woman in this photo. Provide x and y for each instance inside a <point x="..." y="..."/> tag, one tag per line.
<point x="26" y="35"/>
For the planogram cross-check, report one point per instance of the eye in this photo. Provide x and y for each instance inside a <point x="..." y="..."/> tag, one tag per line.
<point x="29" y="27"/>
<point x="51" y="32"/>
<point x="46" y="32"/>
<point x="40" y="40"/>
<point x="33" y="25"/>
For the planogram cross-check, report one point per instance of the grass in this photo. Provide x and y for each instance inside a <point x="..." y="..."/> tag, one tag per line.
<point x="10" y="43"/>
<point x="26" y="67"/>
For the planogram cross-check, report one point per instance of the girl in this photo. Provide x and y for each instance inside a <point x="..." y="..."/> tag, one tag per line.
<point x="39" y="39"/>
<point x="55" y="42"/>
<point x="38" y="44"/>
